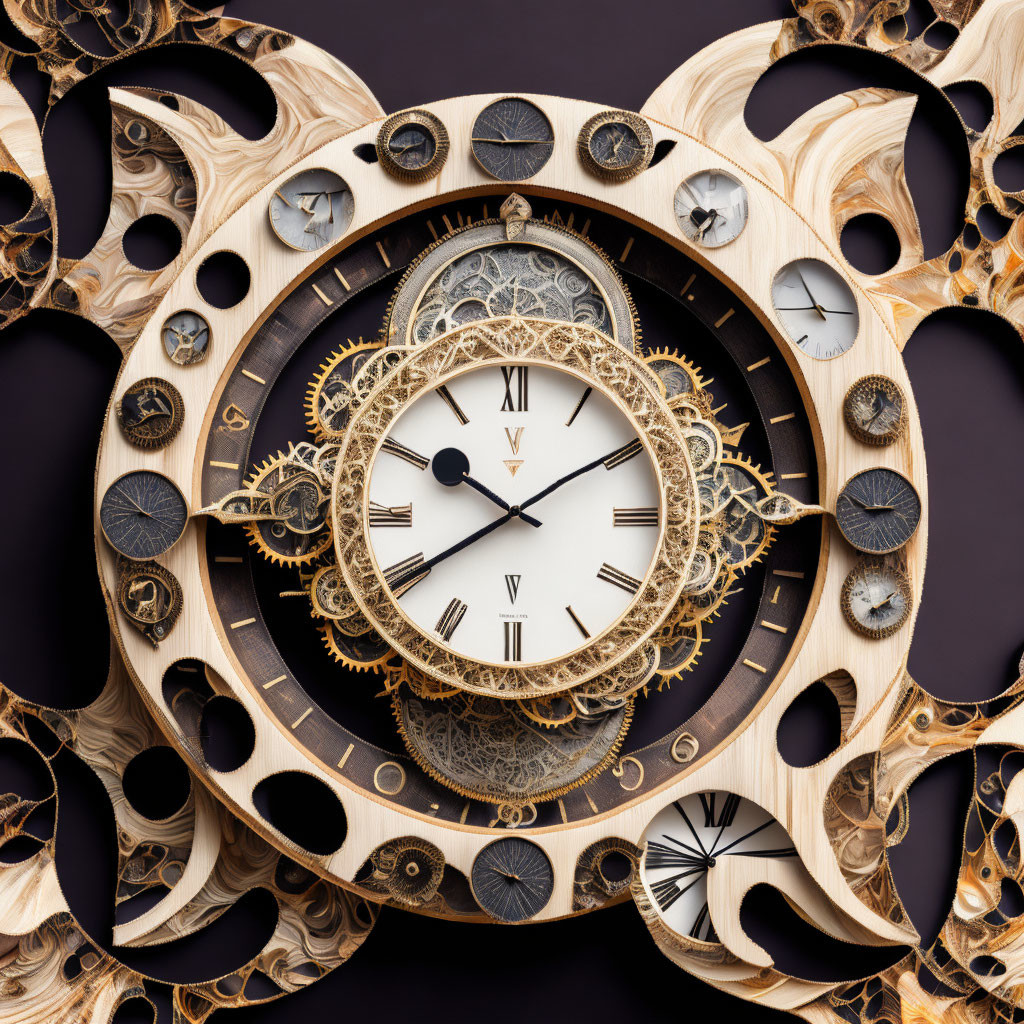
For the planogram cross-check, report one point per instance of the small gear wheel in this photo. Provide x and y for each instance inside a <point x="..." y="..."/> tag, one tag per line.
<point x="367" y="652"/>
<point x="677" y="376"/>
<point x="330" y="391"/>
<point x="305" y="534"/>
<point x="746" y="536"/>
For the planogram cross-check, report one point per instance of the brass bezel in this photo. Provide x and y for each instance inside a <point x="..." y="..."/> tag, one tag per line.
<point x="599" y="361"/>
<point x="640" y="128"/>
<point x="433" y="125"/>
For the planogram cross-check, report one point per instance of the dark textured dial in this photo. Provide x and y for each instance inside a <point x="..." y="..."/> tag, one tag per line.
<point x="512" y="879"/>
<point x="142" y="514"/>
<point x="512" y="139"/>
<point x="874" y="410"/>
<point x="150" y="412"/>
<point x="616" y="145"/>
<point x="412" y="145"/>
<point x="878" y="511"/>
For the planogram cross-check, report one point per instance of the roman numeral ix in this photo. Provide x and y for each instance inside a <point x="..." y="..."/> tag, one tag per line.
<point x="381" y="515"/>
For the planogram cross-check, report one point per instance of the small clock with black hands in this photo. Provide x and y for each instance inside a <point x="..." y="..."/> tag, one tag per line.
<point x="512" y="139"/>
<point x="143" y="514"/>
<point x="512" y="879"/>
<point x="878" y="511"/>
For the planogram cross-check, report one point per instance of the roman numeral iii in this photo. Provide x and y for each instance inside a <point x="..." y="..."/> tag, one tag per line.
<point x="634" y="517"/>
<point x="381" y="515"/>
<point x="513" y="641"/>
<point x="450" y="618"/>
<point x="516" y="388"/>
<point x="618" y="578"/>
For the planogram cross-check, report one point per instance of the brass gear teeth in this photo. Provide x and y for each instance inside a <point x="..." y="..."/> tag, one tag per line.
<point x="336" y="357"/>
<point x="371" y="667"/>
<point x="257" y="475"/>
<point x="691" y="369"/>
<point x="547" y="222"/>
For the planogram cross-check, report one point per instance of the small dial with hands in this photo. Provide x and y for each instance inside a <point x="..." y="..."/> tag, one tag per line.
<point x="142" y="514"/>
<point x="513" y="513"/>
<point x="512" y="879"/>
<point x="186" y="337"/>
<point x="874" y="410"/>
<point x="311" y="209"/>
<point x="878" y="511"/>
<point x="616" y="145"/>
<point x="876" y="598"/>
<point x="687" y="839"/>
<point x="711" y="208"/>
<point x="512" y="139"/>
<point x="412" y="145"/>
<point x="817" y="308"/>
<point x="150" y="412"/>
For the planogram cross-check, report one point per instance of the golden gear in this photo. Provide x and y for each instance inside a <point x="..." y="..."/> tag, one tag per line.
<point x="553" y="221"/>
<point x="329" y="392"/>
<point x="681" y="644"/>
<point x="272" y="538"/>
<point x="330" y="597"/>
<point x="746" y="536"/>
<point x="677" y="376"/>
<point x="550" y="711"/>
<point x="701" y="607"/>
<point x="364" y="653"/>
<point x="418" y="682"/>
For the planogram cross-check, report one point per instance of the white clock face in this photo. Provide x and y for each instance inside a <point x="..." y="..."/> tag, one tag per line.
<point x="522" y="593"/>
<point x="711" y="208"/>
<point x="817" y="308"/>
<point x="688" y="839"/>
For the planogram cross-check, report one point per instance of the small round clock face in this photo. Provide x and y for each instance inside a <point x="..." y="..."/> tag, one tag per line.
<point x="878" y="511"/>
<point x="616" y="145"/>
<point x="512" y="879"/>
<point x="143" y="514"/>
<point x="312" y="209"/>
<point x="412" y="145"/>
<point x="876" y="599"/>
<point x="550" y="579"/>
<point x="512" y="139"/>
<point x="711" y="208"/>
<point x="150" y="412"/>
<point x="685" y="841"/>
<point x="817" y="308"/>
<point x="874" y="410"/>
<point x="186" y="337"/>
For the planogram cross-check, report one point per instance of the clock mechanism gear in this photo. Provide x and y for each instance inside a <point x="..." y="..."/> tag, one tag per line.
<point x="330" y="391"/>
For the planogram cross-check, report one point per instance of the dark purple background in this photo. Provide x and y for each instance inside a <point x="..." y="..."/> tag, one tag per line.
<point x="56" y="375"/>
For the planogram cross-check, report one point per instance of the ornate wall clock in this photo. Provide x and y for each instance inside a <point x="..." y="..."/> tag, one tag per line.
<point x="627" y="399"/>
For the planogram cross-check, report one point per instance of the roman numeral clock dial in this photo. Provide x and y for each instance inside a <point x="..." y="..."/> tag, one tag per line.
<point x="529" y="513"/>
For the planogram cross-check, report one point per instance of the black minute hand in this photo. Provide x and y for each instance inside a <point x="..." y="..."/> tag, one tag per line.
<point x="609" y="461"/>
<point x="418" y="570"/>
